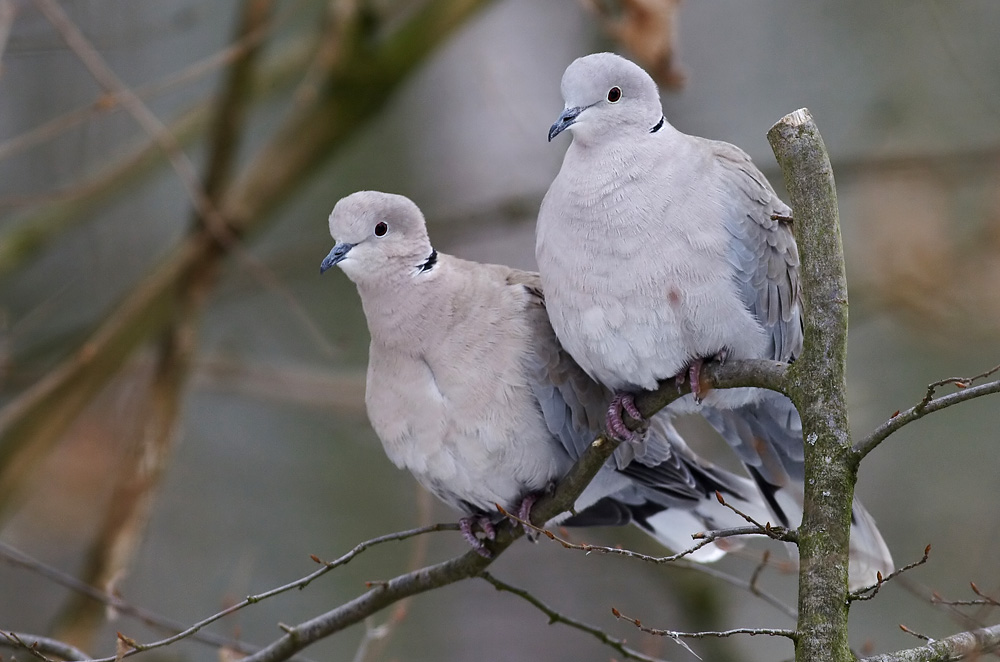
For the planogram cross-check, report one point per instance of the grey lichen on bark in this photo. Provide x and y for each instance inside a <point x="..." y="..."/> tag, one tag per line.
<point x="817" y="387"/>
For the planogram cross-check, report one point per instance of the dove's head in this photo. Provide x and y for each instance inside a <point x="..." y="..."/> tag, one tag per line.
<point x="607" y="95"/>
<point x="379" y="236"/>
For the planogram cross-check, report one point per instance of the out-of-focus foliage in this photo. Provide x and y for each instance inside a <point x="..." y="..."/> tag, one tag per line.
<point x="201" y="449"/>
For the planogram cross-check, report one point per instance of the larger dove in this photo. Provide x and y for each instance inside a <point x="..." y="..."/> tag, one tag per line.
<point x="470" y="391"/>
<point x="659" y="250"/>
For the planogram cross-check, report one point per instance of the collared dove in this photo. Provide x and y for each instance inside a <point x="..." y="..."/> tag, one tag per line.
<point x="470" y="391"/>
<point x="658" y="250"/>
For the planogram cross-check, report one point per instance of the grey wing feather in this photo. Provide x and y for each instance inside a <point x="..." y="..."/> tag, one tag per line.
<point x="574" y="408"/>
<point x="572" y="404"/>
<point x="762" y="252"/>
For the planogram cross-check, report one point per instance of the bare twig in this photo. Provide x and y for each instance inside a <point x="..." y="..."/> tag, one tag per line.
<point x="773" y="532"/>
<point x="983" y="600"/>
<point x="556" y="617"/>
<point x="916" y="634"/>
<point x="703" y="538"/>
<point x="869" y="592"/>
<point x="959" y="382"/>
<point x="673" y="634"/>
<point x="928" y="405"/>
<point x="376" y="639"/>
<point x="298" y="584"/>
<point x="37" y="646"/>
<point x="469" y="565"/>
<point x="20" y="559"/>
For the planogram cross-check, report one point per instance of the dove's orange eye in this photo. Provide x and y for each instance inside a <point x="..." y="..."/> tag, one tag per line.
<point x="614" y="94"/>
<point x="380" y="229"/>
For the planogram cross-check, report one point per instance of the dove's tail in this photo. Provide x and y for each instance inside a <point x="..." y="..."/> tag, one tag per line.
<point x="767" y="437"/>
<point x="676" y="496"/>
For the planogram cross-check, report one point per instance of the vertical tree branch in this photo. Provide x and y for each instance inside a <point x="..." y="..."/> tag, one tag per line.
<point x="818" y="388"/>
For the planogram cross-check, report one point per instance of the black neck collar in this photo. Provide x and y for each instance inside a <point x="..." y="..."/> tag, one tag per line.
<point x="659" y="125"/>
<point x="429" y="263"/>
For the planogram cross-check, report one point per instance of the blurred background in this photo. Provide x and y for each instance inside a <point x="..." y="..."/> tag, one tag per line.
<point x="181" y="394"/>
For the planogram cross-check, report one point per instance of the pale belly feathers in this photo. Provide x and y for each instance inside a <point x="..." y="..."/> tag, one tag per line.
<point x="465" y="444"/>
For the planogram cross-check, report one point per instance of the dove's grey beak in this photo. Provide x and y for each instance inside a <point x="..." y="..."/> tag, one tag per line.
<point x="338" y="253"/>
<point x="567" y="119"/>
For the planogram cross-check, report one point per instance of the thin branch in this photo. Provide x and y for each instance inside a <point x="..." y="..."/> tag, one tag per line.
<point x="869" y="592"/>
<point x="376" y="639"/>
<point x="914" y="633"/>
<point x="983" y="600"/>
<point x="673" y="634"/>
<point x="928" y="405"/>
<point x="466" y="566"/>
<point x="774" y="532"/>
<point x="20" y="559"/>
<point x="703" y="538"/>
<point x="753" y="372"/>
<point x="37" y="646"/>
<point x="298" y="584"/>
<point x="192" y="631"/>
<point x="556" y="617"/>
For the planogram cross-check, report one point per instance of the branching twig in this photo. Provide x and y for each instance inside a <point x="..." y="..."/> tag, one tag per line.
<point x="869" y="592"/>
<point x="929" y="405"/>
<point x="20" y="559"/>
<point x="181" y="632"/>
<point x="673" y="634"/>
<point x="703" y="538"/>
<point x="37" y="646"/>
<point x="773" y="532"/>
<point x="984" y="600"/>
<point x="556" y="617"/>
<point x="916" y="634"/>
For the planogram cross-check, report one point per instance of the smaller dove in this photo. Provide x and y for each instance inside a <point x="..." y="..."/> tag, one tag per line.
<point x="470" y="391"/>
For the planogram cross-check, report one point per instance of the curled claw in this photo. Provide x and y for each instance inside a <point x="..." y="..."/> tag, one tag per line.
<point x="467" y="526"/>
<point x="524" y="514"/>
<point x="622" y="402"/>
<point x="692" y="374"/>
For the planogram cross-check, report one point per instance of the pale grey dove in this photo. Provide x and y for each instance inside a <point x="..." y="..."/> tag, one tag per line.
<point x="470" y="391"/>
<point x="658" y="250"/>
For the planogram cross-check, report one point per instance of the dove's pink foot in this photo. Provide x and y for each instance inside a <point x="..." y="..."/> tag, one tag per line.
<point x="622" y="402"/>
<point x="692" y="374"/>
<point x="467" y="526"/>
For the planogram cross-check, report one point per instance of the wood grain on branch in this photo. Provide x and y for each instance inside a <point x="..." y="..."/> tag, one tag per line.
<point x="959" y="646"/>
<point x="818" y="387"/>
